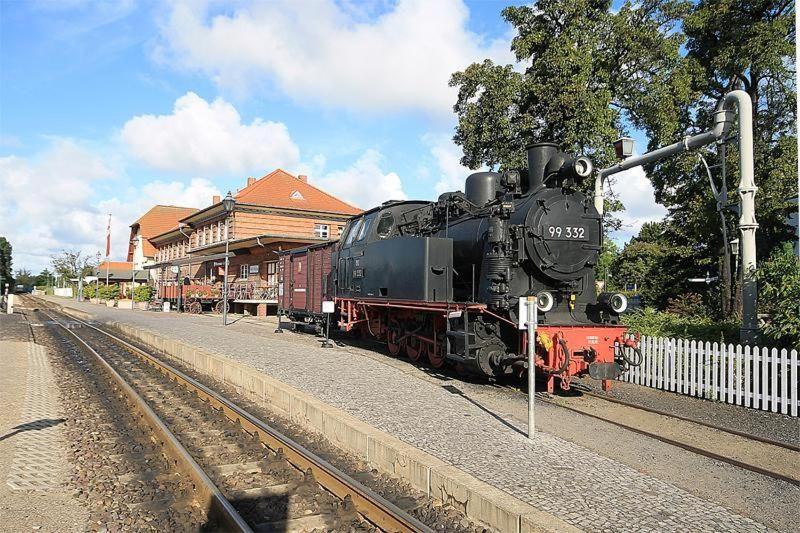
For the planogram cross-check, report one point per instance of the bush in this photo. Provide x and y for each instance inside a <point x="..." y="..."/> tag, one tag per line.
<point x="686" y="305"/>
<point x="779" y="296"/>
<point x="109" y="292"/>
<point x="143" y="293"/>
<point x="665" y="324"/>
<point x="89" y="290"/>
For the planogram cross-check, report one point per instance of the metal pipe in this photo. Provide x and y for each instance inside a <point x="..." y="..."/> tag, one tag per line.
<point x="723" y="119"/>
<point x="747" y="215"/>
<point x="225" y="284"/>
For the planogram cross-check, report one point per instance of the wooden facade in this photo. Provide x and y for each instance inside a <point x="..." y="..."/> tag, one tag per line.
<point x="255" y="232"/>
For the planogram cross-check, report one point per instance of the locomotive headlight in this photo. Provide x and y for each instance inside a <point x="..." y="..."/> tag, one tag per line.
<point x="614" y="301"/>
<point x="582" y="166"/>
<point x="545" y="301"/>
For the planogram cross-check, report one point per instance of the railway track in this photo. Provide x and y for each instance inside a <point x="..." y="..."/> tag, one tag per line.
<point x="246" y="474"/>
<point x="752" y="452"/>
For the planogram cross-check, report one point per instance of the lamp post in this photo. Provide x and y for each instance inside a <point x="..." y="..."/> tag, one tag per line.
<point x="97" y="292"/>
<point x="227" y="204"/>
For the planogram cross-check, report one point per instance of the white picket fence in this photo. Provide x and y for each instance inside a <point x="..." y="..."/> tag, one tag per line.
<point x="760" y="378"/>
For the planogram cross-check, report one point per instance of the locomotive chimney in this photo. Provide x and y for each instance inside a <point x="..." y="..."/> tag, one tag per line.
<point x="538" y="156"/>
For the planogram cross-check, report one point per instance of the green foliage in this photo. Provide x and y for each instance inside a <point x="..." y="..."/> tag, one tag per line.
<point x="603" y="270"/>
<point x="90" y="290"/>
<point x="687" y="305"/>
<point x="662" y="324"/>
<point x="23" y="276"/>
<point x="109" y="292"/>
<point x="143" y="293"/>
<point x="44" y="278"/>
<point x="655" y="265"/>
<point x="779" y="286"/>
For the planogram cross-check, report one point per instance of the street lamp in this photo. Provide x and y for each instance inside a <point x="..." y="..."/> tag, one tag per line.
<point x="227" y="204"/>
<point x="97" y="292"/>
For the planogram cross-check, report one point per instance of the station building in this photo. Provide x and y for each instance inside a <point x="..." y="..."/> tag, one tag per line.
<point x="160" y="218"/>
<point x="276" y="212"/>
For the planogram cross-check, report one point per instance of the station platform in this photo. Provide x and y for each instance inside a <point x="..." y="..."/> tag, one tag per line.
<point x="34" y="469"/>
<point x="578" y="473"/>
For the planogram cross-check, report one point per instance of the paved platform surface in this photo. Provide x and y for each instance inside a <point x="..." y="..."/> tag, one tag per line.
<point x="33" y="464"/>
<point x="571" y="481"/>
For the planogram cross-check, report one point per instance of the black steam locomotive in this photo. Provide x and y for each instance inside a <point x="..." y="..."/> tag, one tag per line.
<point x="441" y="281"/>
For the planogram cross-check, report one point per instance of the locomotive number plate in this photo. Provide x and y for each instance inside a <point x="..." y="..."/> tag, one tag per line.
<point x="565" y="233"/>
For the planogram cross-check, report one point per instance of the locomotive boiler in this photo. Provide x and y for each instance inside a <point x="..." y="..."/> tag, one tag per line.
<point x="440" y="282"/>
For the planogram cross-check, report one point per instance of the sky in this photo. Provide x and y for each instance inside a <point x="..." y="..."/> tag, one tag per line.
<point x="112" y="107"/>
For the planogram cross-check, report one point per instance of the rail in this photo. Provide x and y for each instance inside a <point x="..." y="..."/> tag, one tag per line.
<point x="208" y="493"/>
<point x="373" y="507"/>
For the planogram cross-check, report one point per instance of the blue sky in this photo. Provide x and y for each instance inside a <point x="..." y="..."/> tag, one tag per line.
<point x="114" y="106"/>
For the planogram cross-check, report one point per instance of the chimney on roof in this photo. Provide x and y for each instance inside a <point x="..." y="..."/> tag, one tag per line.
<point x="250" y="181"/>
<point x="215" y="199"/>
<point x="303" y="178"/>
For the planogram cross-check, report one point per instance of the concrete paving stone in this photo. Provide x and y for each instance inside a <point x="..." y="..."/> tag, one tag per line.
<point x="548" y="472"/>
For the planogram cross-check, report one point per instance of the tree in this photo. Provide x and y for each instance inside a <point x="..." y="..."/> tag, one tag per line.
<point x="71" y="264"/>
<point x="603" y="270"/>
<point x="44" y="278"/>
<point x="24" y="277"/>
<point x="779" y="283"/>
<point x="587" y="68"/>
<point x="6" y="279"/>
<point x="653" y="263"/>
<point x="732" y="43"/>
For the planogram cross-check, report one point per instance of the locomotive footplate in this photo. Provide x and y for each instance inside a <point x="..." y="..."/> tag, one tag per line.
<point x="605" y="370"/>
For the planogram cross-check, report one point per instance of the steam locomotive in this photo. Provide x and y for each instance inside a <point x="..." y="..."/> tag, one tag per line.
<point x="441" y="281"/>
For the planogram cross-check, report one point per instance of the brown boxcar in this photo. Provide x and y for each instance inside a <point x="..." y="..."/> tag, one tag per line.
<point x="303" y="275"/>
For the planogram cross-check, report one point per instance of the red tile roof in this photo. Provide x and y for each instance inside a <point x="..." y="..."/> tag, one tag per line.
<point x="122" y="265"/>
<point x="281" y="189"/>
<point x="157" y="220"/>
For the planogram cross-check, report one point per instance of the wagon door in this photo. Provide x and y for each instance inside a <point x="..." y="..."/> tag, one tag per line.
<point x="300" y="281"/>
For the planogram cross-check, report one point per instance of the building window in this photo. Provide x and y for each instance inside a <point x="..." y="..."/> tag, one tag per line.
<point x="244" y="271"/>
<point x="272" y="273"/>
<point x="321" y="231"/>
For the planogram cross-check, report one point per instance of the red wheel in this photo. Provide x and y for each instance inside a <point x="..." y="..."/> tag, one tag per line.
<point x="436" y="354"/>
<point x="414" y="348"/>
<point x="218" y="306"/>
<point x="393" y="334"/>
<point x="194" y="308"/>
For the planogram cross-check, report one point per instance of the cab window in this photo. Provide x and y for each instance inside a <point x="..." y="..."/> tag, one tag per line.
<point x="365" y="227"/>
<point x="385" y="225"/>
<point x="354" y="229"/>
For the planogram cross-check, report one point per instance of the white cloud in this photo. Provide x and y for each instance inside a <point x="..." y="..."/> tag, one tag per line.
<point x="636" y="193"/>
<point x="321" y="52"/>
<point x="364" y="183"/>
<point x="447" y="155"/>
<point x="50" y="203"/>
<point x="202" y="137"/>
